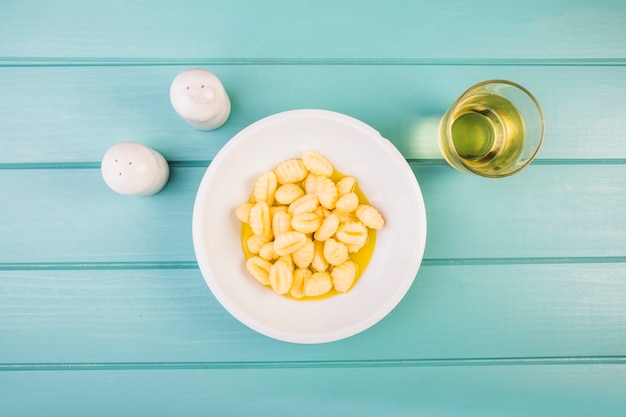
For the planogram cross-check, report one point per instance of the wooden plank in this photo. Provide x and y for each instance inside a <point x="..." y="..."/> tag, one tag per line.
<point x="76" y="118"/>
<point x="571" y="312"/>
<point x="517" y="311"/>
<point x="69" y="215"/>
<point x="516" y="391"/>
<point x="326" y="29"/>
<point x="544" y="211"/>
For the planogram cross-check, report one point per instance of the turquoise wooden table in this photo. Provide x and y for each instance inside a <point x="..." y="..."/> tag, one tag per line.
<point x="519" y="308"/>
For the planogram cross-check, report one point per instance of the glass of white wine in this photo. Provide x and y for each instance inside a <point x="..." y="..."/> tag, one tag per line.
<point x="494" y="129"/>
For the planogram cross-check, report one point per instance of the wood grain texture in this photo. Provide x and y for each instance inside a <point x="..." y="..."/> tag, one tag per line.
<point x="74" y="114"/>
<point x="69" y="215"/>
<point x="517" y="310"/>
<point x="296" y="29"/>
<point x="516" y="391"/>
<point x="452" y="313"/>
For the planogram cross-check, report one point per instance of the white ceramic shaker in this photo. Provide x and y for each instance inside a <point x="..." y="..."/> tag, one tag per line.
<point x="131" y="168"/>
<point x="199" y="97"/>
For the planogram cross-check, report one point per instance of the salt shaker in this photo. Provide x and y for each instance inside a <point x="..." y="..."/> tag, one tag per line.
<point x="131" y="168"/>
<point x="199" y="97"/>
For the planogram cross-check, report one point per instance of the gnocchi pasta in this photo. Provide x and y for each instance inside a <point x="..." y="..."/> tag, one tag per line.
<point x="307" y="227"/>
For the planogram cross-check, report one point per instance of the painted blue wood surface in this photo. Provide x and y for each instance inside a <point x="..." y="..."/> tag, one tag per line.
<point x="519" y="308"/>
<point x="453" y="312"/>
<point x="77" y="113"/>
<point x="548" y="210"/>
<point x="243" y="29"/>
<point x="405" y="391"/>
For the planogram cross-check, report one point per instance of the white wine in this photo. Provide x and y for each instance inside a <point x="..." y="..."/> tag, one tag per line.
<point x="487" y="133"/>
<point x="494" y="129"/>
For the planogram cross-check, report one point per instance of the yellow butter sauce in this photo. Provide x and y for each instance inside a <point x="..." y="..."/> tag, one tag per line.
<point x="361" y="258"/>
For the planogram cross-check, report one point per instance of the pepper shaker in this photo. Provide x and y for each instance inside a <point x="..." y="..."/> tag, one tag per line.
<point x="131" y="168"/>
<point x="199" y="97"/>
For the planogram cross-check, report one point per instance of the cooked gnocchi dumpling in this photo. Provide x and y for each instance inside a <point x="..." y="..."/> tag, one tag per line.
<point x="309" y="184"/>
<point x="370" y="217"/>
<point x="335" y="252"/>
<point x="328" y="228"/>
<point x="291" y="171"/>
<point x="347" y="203"/>
<point x="281" y="223"/>
<point x="281" y="276"/>
<point x="343" y="275"/>
<point x="317" y="164"/>
<point x="319" y="283"/>
<point x="308" y="227"/>
<point x="346" y="185"/>
<point x="306" y="203"/>
<point x="243" y="212"/>
<point x="265" y="187"/>
<point x="299" y="276"/>
<point x="306" y="222"/>
<point x="255" y="242"/>
<point x="319" y="262"/>
<point x="288" y="193"/>
<point x="352" y="233"/>
<point x="266" y="251"/>
<point x="260" y="220"/>
<point x="289" y="242"/>
<point x="326" y="192"/>
<point x="259" y="268"/>
<point x="303" y="256"/>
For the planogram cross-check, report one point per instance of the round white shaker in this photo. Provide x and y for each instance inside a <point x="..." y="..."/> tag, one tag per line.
<point x="131" y="168"/>
<point x="199" y="97"/>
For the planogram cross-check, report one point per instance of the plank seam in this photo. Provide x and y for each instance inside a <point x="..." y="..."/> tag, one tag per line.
<point x="205" y="163"/>
<point x="321" y="364"/>
<point x="73" y="266"/>
<point x="294" y="61"/>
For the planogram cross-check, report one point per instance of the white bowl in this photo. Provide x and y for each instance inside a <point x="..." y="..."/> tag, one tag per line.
<point x="354" y="148"/>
